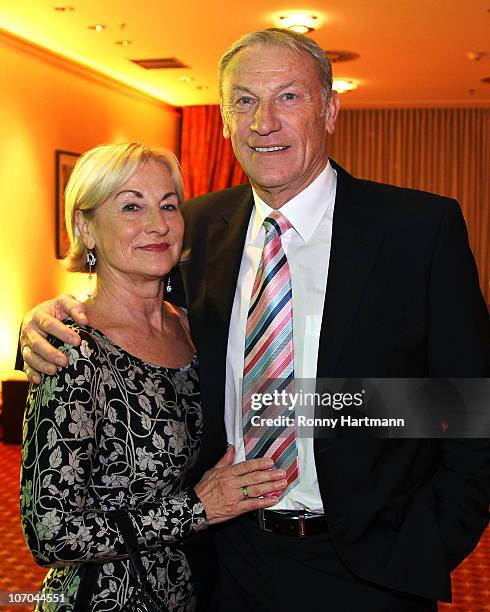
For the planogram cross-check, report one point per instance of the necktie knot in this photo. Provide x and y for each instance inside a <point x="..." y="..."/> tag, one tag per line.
<point x="276" y="222"/>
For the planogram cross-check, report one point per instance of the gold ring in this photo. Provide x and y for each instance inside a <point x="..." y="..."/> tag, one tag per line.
<point x="25" y="348"/>
<point x="245" y="492"/>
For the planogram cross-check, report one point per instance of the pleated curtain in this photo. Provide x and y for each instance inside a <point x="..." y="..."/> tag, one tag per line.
<point x="207" y="159"/>
<point x="445" y="151"/>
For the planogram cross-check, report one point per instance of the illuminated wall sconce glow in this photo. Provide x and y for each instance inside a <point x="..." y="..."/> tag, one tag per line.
<point x="98" y="27"/>
<point x="343" y="85"/>
<point x="298" y="22"/>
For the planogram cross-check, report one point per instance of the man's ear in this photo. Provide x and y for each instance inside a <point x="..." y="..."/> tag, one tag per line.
<point x="226" y="129"/>
<point x="84" y="230"/>
<point x="332" y="111"/>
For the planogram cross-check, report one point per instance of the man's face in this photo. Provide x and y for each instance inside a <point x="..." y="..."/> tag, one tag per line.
<point x="276" y="116"/>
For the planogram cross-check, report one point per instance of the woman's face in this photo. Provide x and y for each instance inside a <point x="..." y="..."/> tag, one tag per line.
<point x="138" y="230"/>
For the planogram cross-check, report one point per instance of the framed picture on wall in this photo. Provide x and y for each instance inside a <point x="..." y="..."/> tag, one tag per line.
<point x="64" y="162"/>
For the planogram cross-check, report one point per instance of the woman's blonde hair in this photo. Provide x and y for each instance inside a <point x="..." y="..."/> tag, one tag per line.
<point x="96" y="175"/>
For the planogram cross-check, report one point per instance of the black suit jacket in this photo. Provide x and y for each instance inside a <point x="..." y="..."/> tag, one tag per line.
<point x="402" y="300"/>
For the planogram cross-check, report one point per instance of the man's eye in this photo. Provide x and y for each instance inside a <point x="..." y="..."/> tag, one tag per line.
<point x="244" y="101"/>
<point x="288" y="96"/>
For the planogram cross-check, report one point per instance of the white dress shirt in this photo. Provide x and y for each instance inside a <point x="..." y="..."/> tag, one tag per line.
<point x="307" y="248"/>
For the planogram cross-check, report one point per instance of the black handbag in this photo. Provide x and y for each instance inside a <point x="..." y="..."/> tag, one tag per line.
<point x="142" y="598"/>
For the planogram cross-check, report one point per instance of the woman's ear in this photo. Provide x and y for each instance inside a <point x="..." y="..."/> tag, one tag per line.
<point x="83" y="228"/>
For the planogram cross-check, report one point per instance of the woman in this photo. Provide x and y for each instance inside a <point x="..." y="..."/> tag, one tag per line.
<point x="121" y="426"/>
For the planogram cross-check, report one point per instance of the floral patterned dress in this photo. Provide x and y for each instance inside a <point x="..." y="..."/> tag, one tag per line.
<point x="108" y="432"/>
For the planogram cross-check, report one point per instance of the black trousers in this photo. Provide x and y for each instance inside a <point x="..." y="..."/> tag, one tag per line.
<point x="264" y="572"/>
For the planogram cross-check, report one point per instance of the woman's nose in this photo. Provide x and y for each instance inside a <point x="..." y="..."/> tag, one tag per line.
<point x="155" y="220"/>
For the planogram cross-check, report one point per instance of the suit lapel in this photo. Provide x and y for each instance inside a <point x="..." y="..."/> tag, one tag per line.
<point x="225" y="242"/>
<point x="356" y="238"/>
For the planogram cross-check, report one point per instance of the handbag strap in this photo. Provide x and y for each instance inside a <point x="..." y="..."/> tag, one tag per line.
<point x="128" y="533"/>
<point x="86" y="588"/>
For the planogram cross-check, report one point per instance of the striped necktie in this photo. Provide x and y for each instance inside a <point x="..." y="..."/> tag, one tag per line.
<point x="269" y="358"/>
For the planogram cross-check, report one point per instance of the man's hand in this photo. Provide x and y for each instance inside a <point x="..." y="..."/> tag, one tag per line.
<point x="43" y="320"/>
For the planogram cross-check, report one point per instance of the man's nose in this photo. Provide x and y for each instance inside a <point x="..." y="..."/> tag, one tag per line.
<point x="265" y="120"/>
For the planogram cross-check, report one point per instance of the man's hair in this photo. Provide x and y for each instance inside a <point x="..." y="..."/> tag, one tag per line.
<point x="97" y="174"/>
<point x="278" y="37"/>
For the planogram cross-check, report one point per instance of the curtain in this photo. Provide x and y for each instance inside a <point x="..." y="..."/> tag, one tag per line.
<point x="207" y="159"/>
<point x="446" y="151"/>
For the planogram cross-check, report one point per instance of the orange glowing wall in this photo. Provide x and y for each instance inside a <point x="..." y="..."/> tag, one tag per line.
<point x="46" y="103"/>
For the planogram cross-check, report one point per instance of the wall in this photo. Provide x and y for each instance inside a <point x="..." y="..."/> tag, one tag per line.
<point x="46" y="103"/>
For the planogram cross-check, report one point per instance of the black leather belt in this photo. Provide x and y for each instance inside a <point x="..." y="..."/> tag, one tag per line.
<point x="288" y="523"/>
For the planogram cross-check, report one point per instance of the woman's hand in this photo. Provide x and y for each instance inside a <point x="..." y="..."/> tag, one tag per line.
<point x="41" y="321"/>
<point x="221" y="488"/>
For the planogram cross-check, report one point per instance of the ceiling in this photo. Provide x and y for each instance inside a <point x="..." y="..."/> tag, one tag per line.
<point x="412" y="52"/>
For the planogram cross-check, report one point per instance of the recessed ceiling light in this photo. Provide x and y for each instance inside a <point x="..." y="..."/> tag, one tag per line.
<point x="475" y="56"/>
<point x="298" y="22"/>
<point x="123" y="43"/>
<point x="186" y="78"/>
<point x="98" y="27"/>
<point x="343" y="85"/>
<point x="61" y="9"/>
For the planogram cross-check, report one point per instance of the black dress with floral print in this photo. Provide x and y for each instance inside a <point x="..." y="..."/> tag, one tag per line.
<point x="108" y="432"/>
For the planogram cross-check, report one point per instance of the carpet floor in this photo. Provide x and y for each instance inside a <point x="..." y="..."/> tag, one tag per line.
<point x="19" y="573"/>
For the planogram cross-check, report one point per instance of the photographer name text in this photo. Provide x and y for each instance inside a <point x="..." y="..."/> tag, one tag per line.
<point x="342" y="421"/>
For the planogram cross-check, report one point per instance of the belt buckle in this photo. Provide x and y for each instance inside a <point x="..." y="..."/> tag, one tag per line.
<point x="261" y="516"/>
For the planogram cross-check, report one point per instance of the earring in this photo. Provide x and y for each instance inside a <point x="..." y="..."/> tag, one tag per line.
<point x="91" y="261"/>
<point x="168" y="288"/>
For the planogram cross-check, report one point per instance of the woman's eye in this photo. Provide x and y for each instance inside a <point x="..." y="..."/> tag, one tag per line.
<point x="129" y="207"/>
<point x="169" y="207"/>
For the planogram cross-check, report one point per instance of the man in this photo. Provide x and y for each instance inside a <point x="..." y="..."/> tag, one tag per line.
<point x="369" y="524"/>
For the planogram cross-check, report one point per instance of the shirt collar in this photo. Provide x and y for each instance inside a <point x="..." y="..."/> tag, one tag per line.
<point x="304" y="211"/>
